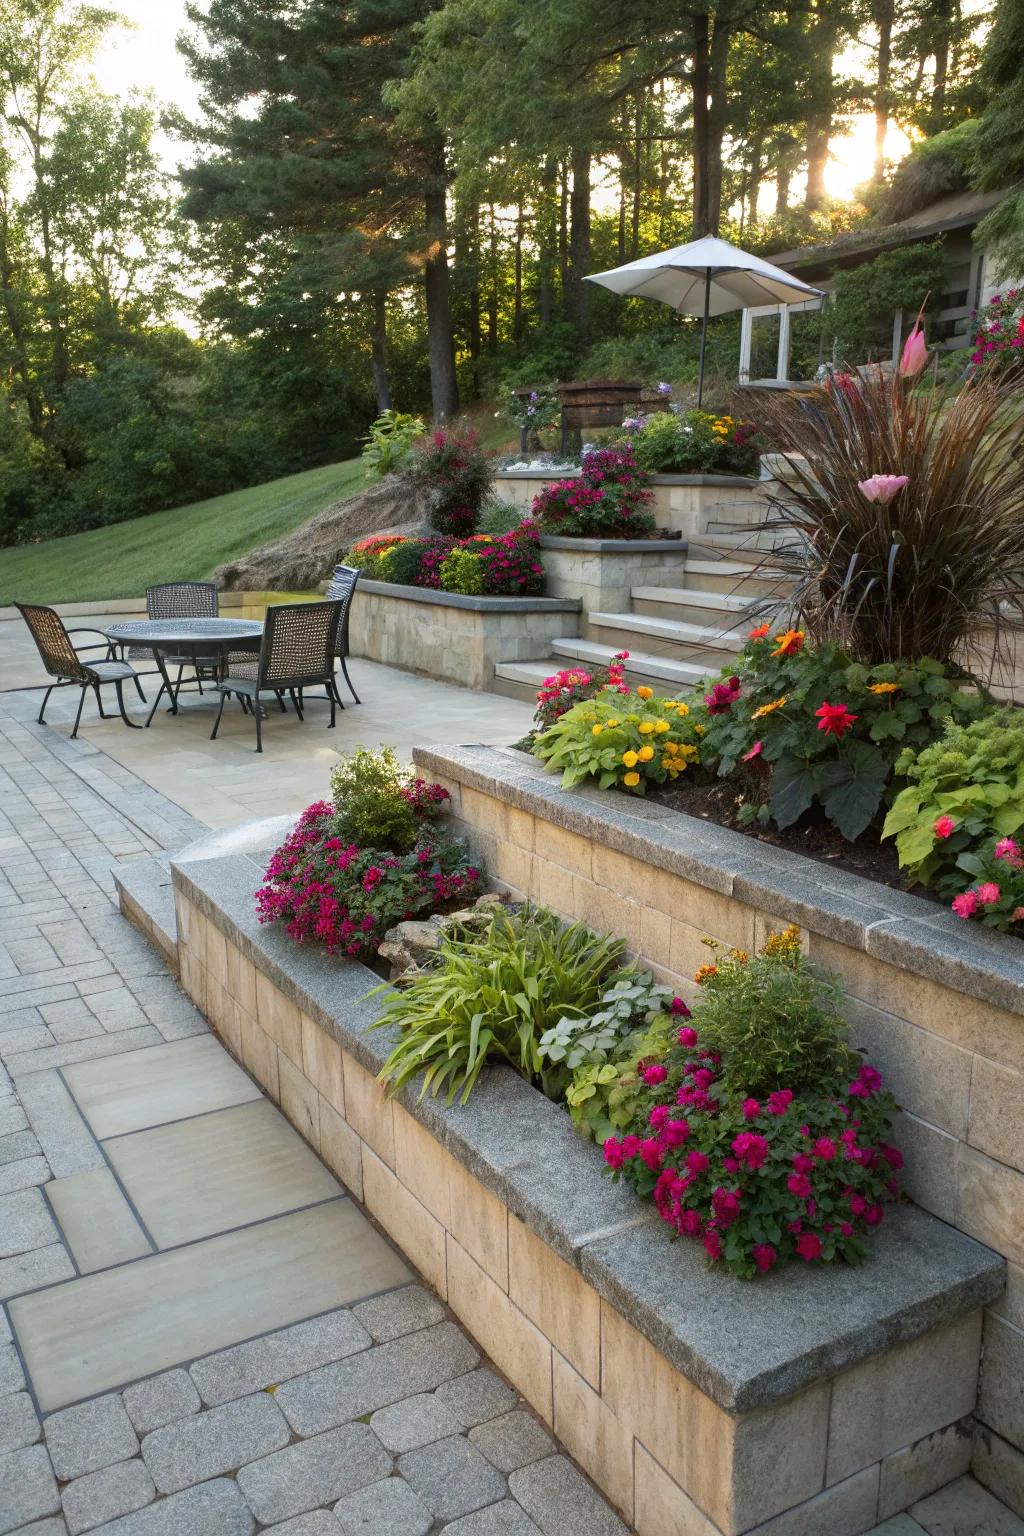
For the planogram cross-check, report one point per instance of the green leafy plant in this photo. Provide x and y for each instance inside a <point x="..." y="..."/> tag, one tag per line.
<point x="500" y="517"/>
<point x="964" y="791"/>
<point x="462" y="571"/>
<point x="377" y="803"/>
<point x="603" y="1095"/>
<point x="695" y="442"/>
<point x="389" y="442"/>
<point x="493" y="996"/>
<point x="621" y="739"/>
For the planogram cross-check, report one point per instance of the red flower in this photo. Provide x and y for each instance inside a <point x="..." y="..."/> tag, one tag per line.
<point x="808" y="1246"/>
<point x="834" y="719"/>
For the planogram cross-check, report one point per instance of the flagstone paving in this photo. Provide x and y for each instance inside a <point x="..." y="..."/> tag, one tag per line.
<point x="200" y="1332"/>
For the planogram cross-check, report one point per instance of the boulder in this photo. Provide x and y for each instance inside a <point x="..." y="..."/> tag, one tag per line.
<point x="306" y="557"/>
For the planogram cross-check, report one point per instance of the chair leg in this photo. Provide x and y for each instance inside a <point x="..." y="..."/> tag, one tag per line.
<point x="282" y="706"/>
<point x="46" y="700"/>
<point x="296" y="700"/>
<point x="216" y="723"/>
<point x="259" y="725"/>
<point x="99" y="701"/>
<point x="119" y="690"/>
<point x="330" y="695"/>
<point x="344" y="668"/>
<point x="81" y="701"/>
<point x="138" y="688"/>
<point x="159" y="695"/>
<point x="333" y="686"/>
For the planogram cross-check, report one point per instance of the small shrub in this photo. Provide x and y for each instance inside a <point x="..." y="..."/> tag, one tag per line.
<point x="625" y="741"/>
<point x="995" y="897"/>
<point x="388" y="443"/>
<point x="695" y="442"/>
<point x="401" y="562"/>
<point x="462" y="570"/>
<point x="456" y="473"/>
<point x="609" y="499"/>
<point x="500" y="517"/>
<point x="760" y="1132"/>
<point x="999" y="330"/>
<point x="369" y="555"/>
<point x="373" y="801"/>
<point x="491" y="997"/>
<point x="511" y="562"/>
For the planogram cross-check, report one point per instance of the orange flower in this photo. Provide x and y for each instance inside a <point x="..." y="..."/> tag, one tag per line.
<point x="767" y="709"/>
<point x="789" y="643"/>
<point x="883" y="688"/>
<point x="703" y="972"/>
<point x="760" y="632"/>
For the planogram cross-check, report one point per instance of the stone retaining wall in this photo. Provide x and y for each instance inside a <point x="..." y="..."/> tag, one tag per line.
<point x="700" y="1404"/>
<point x="937" y="1005"/>
<point x="601" y="573"/>
<point x="455" y="638"/>
<point x="682" y="503"/>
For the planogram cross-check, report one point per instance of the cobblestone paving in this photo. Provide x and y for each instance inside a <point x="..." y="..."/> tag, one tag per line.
<point x="373" y="1418"/>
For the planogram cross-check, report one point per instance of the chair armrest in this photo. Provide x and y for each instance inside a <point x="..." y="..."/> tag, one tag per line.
<point x="104" y="643"/>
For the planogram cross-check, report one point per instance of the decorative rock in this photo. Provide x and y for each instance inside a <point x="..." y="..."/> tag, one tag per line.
<point x="18" y="1423"/>
<point x="99" y="1496"/>
<point x="195" y="1449"/>
<point x="27" y="1487"/>
<point x="398" y="1312"/>
<point x="504" y="1519"/>
<point x="414" y="1422"/>
<point x="512" y="1441"/>
<point x="314" y="1472"/>
<point x="89" y="1437"/>
<point x="562" y="1502"/>
<point x="160" y="1400"/>
<point x="480" y="1395"/>
<point x="277" y="1356"/>
<point x="210" y="1509"/>
<point x="384" y="1509"/>
<point x="452" y="1478"/>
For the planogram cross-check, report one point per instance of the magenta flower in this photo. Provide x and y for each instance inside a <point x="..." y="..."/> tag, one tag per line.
<point x="989" y="893"/>
<point x="965" y="905"/>
<point x="654" y="1074"/>
<point x="808" y="1246"/>
<point x="944" y="826"/>
<point x="915" y="354"/>
<point x="687" y="1035"/>
<point x="764" y="1256"/>
<point x="882" y="488"/>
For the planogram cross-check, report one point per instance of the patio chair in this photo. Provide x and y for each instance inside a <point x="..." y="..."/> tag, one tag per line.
<point x="181" y="600"/>
<point x="343" y="585"/>
<point x="66" y="663"/>
<point x="297" y="652"/>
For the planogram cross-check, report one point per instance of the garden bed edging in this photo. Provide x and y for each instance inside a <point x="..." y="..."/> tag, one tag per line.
<point x="685" y="504"/>
<point x="697" y="1401"/>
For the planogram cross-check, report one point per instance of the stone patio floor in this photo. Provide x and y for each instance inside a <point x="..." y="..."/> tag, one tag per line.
<point x="202" y="1334"/>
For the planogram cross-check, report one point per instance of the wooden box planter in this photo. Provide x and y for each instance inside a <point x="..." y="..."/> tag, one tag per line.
<point x="936" y="1004"/>
<point x="683" y="504"/>
<point x="457" y="639"/>
<point x="813" y="1401"/>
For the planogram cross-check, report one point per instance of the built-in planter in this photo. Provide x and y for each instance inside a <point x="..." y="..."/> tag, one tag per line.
<point x="936" y="1003"/>
<point x="601" y="573"/>
<point x="686" y="504"/>
<point x="455" y="638"/>
<point x="813" y="1401"/>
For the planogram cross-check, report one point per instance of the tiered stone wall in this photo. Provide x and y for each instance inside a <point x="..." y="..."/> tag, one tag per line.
<point x="937" y="1005"/>
<point x="683" y="503"/>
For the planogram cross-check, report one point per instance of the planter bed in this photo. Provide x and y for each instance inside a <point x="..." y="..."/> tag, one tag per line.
<point x="685" y="504"/>
<point x="455" y="638"/>
<point x="937" y="1006"/>
<point x="812" y="1401"/>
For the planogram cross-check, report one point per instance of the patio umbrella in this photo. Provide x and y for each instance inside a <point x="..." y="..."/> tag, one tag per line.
<point x="707" y="277"/>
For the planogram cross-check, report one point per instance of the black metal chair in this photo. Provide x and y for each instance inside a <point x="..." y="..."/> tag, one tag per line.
<point x="181" y="600"/>
<point x="298" y="651"/>
<point x="343" y="585"/>
<point x="67" y="664"/>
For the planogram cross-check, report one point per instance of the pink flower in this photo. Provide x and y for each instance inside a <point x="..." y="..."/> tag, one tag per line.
<point x="808" y="1246"/>
<point x="658" y="1115"/>
<point x="702" y="1078"/>
<point x="989" y="893"/>
<point x="1007" y="849"/>
<point x="800" y="1185"/>
<point x="726" y="1205"/>
<point x="873" y="1215"/>
<point x="675" y="1132"/>
<point x="779" y="1101"/>
<point x="631" y="1146"/>
<point x="698" y="1162"/>
<point x="944" y="827"/>
<point x="882" y="488"/>
<point x="858" y="1205"/>
<point x="613" y="1152"/>
<point x="915" y="354"/>
<point x="892" y="1155"/>
<point x="755" y="751"/>
<point x="764" y="1256"/>
<point x="680" y="1010"/>
<point x="650" y="1153"/>
<point x="825" y="1148"/>
<point x="965" y="905"/>
<point x="690" y="1222"/>
<point x="687" y="1036"/>
<point x="654" y="1074"/>
<point x="713" y="1245"/>
<point x="803" y="1162"/>
<point x="751" y="1148"/>
<point x="751" y="1109"/>
<point x="834" y="719"/>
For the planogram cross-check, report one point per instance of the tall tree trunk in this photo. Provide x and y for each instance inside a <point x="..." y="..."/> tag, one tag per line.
<point x="782" y="179"/>
<point x="547" y="239"/>
<point x="638" y="176"/>
<point x="883" y="15"/>
<point x="444" y="389"/>
<point x="822" y="100"/>
<point x="563" y="226"/>
<point x="710" y="55"/>
<point x="754" y="182"/>
<point x="379" y="350"/>
<point x="577" y="294"/>
<point x="517" y="299"/>
<point x="492" y="286"/>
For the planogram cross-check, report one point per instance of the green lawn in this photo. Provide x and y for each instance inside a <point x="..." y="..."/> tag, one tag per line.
<point x="184" y="544"/>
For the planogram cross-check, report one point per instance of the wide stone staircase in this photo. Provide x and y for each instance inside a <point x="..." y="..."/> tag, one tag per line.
<point x="679" y="630"/>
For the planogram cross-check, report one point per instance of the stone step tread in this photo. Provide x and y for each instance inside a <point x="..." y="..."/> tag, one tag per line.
<point x="676" y="630"/>
<point x="696" y="597"/>
<point x="664" y="668"/>
<point x="695" y="566"/>
<point x="533" y="673"/>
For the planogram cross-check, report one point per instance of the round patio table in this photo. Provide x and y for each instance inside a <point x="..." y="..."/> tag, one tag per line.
<point x="195" y="638"/>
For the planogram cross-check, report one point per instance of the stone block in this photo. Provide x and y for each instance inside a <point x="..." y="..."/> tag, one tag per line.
<point x="216" y="956"/>
<point x="192" y="974"/>
<point x="209" y="1444"/>
<point x="299" y="1100"/>
<point x="321" y="1063"/>
<point x="389" y="1507"/>
<point x="515" y="1344"/>
<point x="930" y="1157"/>
<point x="917" y="1470"/>
<point x="552" y="886"/>
<point x="413" y="1422"/>
<point x="1001" y="1386"/>
<point x="408" y="1223"/>
<point x="259" y="1056"/>
<point x="312" y="1472"/>
<point x="367" y="1110"/>
<point x="556" y="1297"/>
<point x="1011" y="1304"/>
<point x="100" y="1496"/>
<point x="452" y="1478"/>
<point x="898" y="1398"/>
<point x="90" y="1436"/>
<point x="593" y="1436"/>
<point x="211" y="1509"/>
<point x="422" y="1165"/>
<point x="25" y="1221"/>
<point x="990" y="1203"/>
<point x="399" y="1312"/>
<point x="561" y="1501"/>
<point x="504" y="1519"/>
<point x="846" y="1509"/>
<point x="28" y="1489"/>
<point x="240" y="982"/>
<point x="19" y="1425"/>
<point x="280" y="1018"/>
<point x="607" y="911"/>
<point x="964" y="1506"/>
<point x="160" y="1400"/>
<point x="1000" y="1467"/>
<point x="315" y="1522"/>
<point x="276" y="1357"/>
<point x="230" y="1025"/>
<point x="997" y="1112"/>
<point x="562" y="847"/>
<point x="655" y="936"/>
<point x="929" y="1076"/>
<point x="479" y="1222"/>
<point x="512" y="1441"/>
<point x="341" y="1149"/>
<point x="662" y="1506"/>
<point x="477" y="1397"/>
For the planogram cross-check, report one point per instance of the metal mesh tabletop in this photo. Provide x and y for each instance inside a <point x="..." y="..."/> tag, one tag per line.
<point x="184" y="633"/>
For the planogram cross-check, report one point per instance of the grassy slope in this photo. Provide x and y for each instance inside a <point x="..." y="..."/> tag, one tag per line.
<point x="185" y="543"/>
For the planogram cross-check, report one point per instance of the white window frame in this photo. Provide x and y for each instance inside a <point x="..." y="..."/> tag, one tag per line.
<point x="784" y="311"/>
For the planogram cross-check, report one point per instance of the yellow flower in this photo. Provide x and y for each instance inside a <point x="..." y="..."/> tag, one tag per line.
<point x="630" y="759"/>
<point x="661" y="726"/>
<point x="645" y="754"/>
<point x="595" y="730"/>
<point x="631" y="780"/>
<point x="646" y="727"/>
<point x="767" y="709"/>
<point x="699" y="730"/>
<point x="645" y="693"/>
<point x="612" y="722"/>
<point x="682" y="709"/>
<point x="884" y="688"/>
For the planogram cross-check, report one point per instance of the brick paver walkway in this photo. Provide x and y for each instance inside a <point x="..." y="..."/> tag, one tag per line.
<point x="201" y="1335"/>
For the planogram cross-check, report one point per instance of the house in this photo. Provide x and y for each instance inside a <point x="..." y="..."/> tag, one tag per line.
<point x="766" y="334"/>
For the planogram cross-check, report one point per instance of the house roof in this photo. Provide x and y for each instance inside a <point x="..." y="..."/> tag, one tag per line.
<point x="959" y="210"/>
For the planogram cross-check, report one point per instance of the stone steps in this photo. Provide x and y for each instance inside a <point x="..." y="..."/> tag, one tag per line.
<point x="694" y="606"/>
<point x="705" y="646"/>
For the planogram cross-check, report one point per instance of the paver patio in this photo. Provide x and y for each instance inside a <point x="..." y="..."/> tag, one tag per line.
<point x="181" y="1276"/>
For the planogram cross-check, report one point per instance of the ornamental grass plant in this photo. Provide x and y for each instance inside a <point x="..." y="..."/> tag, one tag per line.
<point x="905" y="510"/>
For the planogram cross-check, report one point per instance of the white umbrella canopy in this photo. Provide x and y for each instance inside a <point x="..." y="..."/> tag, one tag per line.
<point x="706" y="277"/>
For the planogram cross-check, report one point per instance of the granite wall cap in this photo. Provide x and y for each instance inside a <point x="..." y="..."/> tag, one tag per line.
<point x="666" y="544"/>
<point x="471" y="604"/>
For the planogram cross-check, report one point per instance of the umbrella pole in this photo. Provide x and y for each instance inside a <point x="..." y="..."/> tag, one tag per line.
<point x="704" y="336"/>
